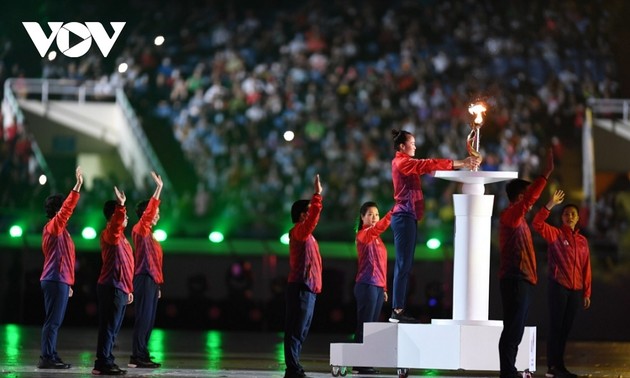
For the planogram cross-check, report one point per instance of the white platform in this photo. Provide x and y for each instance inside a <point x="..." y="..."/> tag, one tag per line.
<point x="447" y="346"/>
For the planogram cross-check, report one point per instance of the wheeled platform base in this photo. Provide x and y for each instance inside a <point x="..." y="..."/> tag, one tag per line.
<point x="444" y="344"/>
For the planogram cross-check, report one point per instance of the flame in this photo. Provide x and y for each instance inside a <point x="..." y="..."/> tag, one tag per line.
<point x="477" y="110"/>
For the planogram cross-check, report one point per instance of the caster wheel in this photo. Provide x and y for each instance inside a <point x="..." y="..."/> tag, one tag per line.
<point x="344" y="371"/>
<point x="335" y="371"/>
<point x="527" y="374"/>
<point x="403" y="373"/>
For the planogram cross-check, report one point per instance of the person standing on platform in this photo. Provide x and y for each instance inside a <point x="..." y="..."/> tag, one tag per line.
<point x="147" y="277"/>
<point x="517" y="265"/>
<point x="370" y="288"/>
<point x="569" y="279"/>
<point x="408" y="210"/>
<point x="58" y="273"/>
<point x="115" y="284"/>
<point x="305" y="279"/>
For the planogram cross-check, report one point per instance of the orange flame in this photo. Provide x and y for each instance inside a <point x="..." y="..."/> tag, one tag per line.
<point x="477" y="110"/>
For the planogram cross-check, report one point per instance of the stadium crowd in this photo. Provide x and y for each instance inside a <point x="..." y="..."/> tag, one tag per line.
<point x="232" y="80"/>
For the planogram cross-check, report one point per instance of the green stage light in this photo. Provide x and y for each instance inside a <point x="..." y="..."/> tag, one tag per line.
<point x="434" y="243"/>
<point x="284" y="239"/>
<point x="15" y="231"/>
<point x="88" y="233"/>
<point x="159" y="235"/>
<point x="216" y="237"/>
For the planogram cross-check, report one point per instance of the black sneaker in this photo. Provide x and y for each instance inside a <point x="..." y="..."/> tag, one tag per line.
<point x="566" y="373"/>
<point x="554" y="372"/>
<point x="401" y="317"/>
<point x="135" y="362"/>
<point x="364" y="370"/>
<point x="47" y="363"/>
<point x="109" y="370"/>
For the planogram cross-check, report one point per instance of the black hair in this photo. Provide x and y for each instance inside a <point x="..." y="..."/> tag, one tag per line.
<point x="516" y="187"/>
<point x="108" y="208"/>
<point x="298" y="208"/>
<point x="400" y="137"/>
<point x="568" y="205"/>
<point x="52" y="204"/>
<point x="141" y="207"/>
<point x="364" y="208"/>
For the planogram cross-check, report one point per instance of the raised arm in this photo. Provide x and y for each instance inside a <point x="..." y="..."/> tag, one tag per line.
<point x="158" y="185"/>
<point x="79" y="175"/>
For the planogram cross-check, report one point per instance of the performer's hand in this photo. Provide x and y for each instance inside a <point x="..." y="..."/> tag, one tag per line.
<point x="385" y="296"/>
<point x="317" y="185"/>
<point x="157" y="179"/>
<point x="79" y="175"/>
<point x="129" y="298"/>
<point x="120" y="196"/>
<point x="70" y="293"/>
<point x="557" y="197"/>
<point x="587" y="303"/>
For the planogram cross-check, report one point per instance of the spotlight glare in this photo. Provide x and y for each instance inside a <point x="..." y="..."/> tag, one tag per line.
<point x="159" y="40"/>
<point x="15" y="231"/>
<point x="434" y="243"/>
<point x="88" y="233"/>
<point x="216" y="237"/>
<point x="284" y="239"/>
<point x="159" y="235"/>
<point x="52" y="55"/>
<point x="123" y="67"/>
<point x="42" y="179"/>
<point x="289" y="135"/>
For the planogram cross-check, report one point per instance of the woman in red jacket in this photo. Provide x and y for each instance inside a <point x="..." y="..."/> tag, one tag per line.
<point x="408" y="210"/>
<point x="370" y="288"/>
<point x="58" y="274"/>
<point x="569" y="273"/>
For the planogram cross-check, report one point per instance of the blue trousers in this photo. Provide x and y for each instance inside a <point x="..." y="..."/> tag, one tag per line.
<point x="145" y="299"/>
<point x="563" y="305"/>
<point x="111" y="310"/>
<point x="300" y="304"/>
<point x="405" y="230"/>
<point x="516" y="295"/>
<point x="55" y="303"/>
<point x="369" y="303"/>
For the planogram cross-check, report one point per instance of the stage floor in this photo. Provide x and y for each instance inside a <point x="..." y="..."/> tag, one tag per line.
<point x="233" y="354"/>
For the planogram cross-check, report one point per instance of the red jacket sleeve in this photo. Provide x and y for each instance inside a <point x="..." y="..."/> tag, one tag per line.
<point x="303" y="229"/>
<point x="513" y="214"/>
<point x="548" y="232"/>
<point x="370" y="234"/>
<point x="422" y="166"/>
<point x="114" y="229"/>
<point x="143" y="227"/>
<point x="587" y="275"/>
<point x="58" y="223"/>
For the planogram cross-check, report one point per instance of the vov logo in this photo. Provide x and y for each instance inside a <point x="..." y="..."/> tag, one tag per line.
<point x="61" y="32"/>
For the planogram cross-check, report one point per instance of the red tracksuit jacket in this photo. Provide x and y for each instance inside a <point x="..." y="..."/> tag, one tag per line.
<point x="517" y="255"/>
<point x="372" y="253"/>
<point x="148" y="251"/>
<point x="57" y="245"/>
<point x="305" y="262"/>
<point x="569" y="261"/>
<point x="406" y="173"/>
<point x="116" y="253"/>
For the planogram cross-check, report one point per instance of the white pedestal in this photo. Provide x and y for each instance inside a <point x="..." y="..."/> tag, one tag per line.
<point x="432" y="346"/>
<point x="469" y="340"/>
<point x="473" y="215"/>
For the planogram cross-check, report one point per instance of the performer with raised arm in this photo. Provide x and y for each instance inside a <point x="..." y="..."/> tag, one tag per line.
<point x="147" y="277"/>
<point x="58" y="273"/>
<point x="115" y="283"/>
